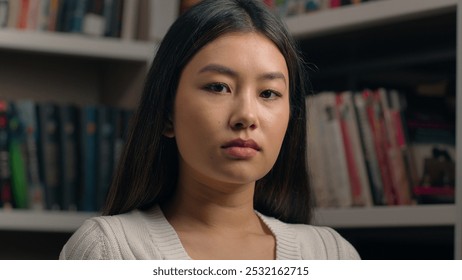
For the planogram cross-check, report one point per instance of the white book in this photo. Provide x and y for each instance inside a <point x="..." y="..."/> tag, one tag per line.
<point x="316" y="157"/>
<point x="43" y="16"/>
<point x="33" y="14"/>
<point x="335" y="152"/>
<point x="13" y="13"/>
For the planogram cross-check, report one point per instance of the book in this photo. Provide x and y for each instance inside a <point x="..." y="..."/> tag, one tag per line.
<point x="4" y="7"/>
<point x="335" y="3"/>
<point x="23" y="14"/>
<point x="359" y="182"/>
<point x="69" y="156"/>
<point x="32" y="14"/>
<point x="317" y="162"/>
<point x="113" y="13"/>
<point x="105" y="152"/>
<point x="28" y="117"/>
<point x="49" y="167"/>
<point x="398" y="105"/>
<point x="368" y="147"/>
<point x="6" y="196"/>
<point x="129" y="16"/>
<point x="16" y="146"/>
<point x="53" y="15"/>
<point x="14" y="8"/>
<point x="87" y="190"/>
<point x="155" y="18"/>
<point x="121" y="124"/>
<point x="334" y="151"/>
<point x="76" y="16"/>
<point x="376" y="120"/>
<point x="394" y="131"/>
<point x="43" y="15"/>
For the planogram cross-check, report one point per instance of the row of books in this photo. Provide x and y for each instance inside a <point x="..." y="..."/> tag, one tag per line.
<point x="286" y="8"/>
<point x="360" y="153"/>
<point x="127" y="19"/>
<point x="58" y="157"/>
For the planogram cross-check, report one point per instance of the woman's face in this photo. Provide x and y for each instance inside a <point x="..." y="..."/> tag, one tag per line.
<point x="231" y="110"/>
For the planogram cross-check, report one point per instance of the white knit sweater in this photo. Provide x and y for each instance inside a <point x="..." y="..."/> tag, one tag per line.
<point x="148" y="235"/>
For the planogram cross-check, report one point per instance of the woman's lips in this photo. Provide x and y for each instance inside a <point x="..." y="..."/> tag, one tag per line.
<point x="241" y="149"/>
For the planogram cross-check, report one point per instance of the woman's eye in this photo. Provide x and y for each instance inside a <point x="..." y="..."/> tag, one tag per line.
<point x="269" y="94"/>
<point x="217" y="87"/>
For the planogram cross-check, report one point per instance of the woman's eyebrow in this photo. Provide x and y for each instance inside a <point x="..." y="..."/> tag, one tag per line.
<point x="221" y="69"/>
<point x="216" y="68"/>
<point x="273" y="76"/>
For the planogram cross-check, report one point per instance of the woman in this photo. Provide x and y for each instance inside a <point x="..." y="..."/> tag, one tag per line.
<point x="215" y="164"/>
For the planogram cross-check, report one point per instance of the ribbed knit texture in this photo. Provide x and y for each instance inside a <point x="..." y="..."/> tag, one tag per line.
<point x="148" y="235"/>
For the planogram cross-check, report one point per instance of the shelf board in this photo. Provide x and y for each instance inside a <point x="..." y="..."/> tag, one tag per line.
<point x="366" y="14"/>
<point x="49" y="221"/>
<point x="387" y="216"/>
<point x="75" y="45"/>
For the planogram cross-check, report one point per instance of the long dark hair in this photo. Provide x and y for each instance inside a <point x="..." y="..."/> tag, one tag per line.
<point x="148" y="170"/>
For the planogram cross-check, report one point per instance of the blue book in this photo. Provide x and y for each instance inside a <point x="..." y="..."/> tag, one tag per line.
<point x="69" y="157"/>
<point x="88" y="127"/>
<point x="105" y="152"/>
<point x="49" y="167"/>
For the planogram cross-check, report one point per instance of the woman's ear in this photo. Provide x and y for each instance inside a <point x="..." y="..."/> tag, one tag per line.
<point x="168" y="128"/>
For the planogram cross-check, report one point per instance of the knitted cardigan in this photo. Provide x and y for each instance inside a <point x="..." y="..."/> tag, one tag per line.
<point x="148" y="235"/>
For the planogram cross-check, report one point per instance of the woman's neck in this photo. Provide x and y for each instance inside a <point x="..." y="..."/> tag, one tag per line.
<point x="227" y="207"/>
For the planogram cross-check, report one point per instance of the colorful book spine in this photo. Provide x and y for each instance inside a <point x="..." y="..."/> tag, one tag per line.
<point x="6" y="196"/>
<point x="28" y="117"/>
<point x="16" y="146"/>
<point x="376" y="121"/>
<point x="370" y="156"/>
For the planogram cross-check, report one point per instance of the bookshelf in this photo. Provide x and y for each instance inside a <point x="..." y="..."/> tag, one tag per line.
<point x="317" y="32"/>
<point x="64" y="68"/>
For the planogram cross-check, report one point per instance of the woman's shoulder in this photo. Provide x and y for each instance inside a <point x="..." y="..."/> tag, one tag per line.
<point x="107" y="237"/>
<point x="314" y="242"/>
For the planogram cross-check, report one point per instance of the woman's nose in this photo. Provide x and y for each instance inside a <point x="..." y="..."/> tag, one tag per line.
<point x="244" y="113"/>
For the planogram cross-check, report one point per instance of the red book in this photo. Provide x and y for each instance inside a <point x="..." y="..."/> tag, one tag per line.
<point x="23" y="14"/>
<point x="376" y="122"/>
<point x="353" y="174"/>
<point x="6" y="197"/>
<point x="335" y="3"/>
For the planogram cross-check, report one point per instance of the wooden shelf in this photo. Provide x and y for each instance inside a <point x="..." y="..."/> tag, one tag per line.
<point x="384" y="216"/>
<point x="49" y="221"/>
<point x="388" y="216"/>
<point x="75" y="45"/>
<point x="365" y="15"/>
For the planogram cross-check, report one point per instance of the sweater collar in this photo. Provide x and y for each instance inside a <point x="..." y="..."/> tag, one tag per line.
<point x="171" y="248"/>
